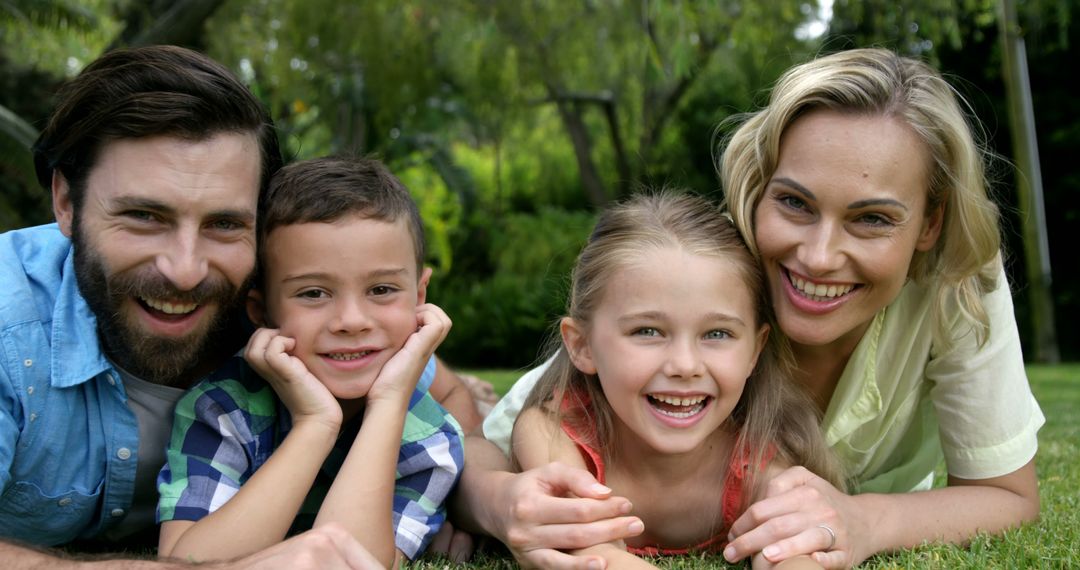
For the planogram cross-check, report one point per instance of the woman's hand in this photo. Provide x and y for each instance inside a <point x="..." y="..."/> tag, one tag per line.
<point x="302" y="393"/>
<point x="795" y="517"/>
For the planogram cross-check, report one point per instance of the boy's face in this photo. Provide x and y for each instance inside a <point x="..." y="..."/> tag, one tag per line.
<point x="347" y="291"/>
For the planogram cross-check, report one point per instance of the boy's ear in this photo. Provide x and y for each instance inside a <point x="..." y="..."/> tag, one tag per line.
<point x="256" y="308"/>
<point x="63" y="209"/>
<point x="421" y="286"/>
<point x="576" y="343"/>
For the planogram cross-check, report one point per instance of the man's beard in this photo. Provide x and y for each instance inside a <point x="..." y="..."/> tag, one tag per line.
<point x="160" y="360"/>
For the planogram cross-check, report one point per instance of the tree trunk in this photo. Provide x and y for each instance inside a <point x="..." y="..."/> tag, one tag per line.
<point x="1029" y="185"/>
<point x="579" y="136"/>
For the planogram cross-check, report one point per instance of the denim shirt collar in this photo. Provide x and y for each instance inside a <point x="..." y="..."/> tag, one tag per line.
<point x="77" y="355"/>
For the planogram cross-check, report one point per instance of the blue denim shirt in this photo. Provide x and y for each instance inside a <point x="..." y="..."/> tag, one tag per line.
<point x="68" y="441"/>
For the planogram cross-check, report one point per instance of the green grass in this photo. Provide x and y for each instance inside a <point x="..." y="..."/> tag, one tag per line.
<point x="1053" y="542"/>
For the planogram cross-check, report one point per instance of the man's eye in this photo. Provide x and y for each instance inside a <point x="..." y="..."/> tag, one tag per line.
<point x="140" y="215"/>
<point x="226" y="225"/>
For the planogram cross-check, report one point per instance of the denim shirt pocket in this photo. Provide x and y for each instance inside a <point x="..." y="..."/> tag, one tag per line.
<point x="28" y="514"/>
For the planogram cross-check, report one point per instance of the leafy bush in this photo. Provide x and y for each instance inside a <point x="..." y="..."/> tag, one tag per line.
<point x="504" y="307"/>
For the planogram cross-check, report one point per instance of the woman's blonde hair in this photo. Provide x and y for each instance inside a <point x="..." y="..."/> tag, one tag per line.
<point x="773" y="413"/>
<point x="880" y="82"/>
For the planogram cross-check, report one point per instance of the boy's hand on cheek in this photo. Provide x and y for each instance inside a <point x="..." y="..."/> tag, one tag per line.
<point x="307" y="399"/>
<point x="398" y="377"/>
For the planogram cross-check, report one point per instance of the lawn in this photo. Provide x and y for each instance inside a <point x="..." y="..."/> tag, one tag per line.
<point x="1053" y="542"/>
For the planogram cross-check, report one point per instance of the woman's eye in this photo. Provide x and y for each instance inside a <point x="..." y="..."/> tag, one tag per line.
<point x="791" y="202"/>
<point x="717" y="335"/>
<point x="876" y="220"/>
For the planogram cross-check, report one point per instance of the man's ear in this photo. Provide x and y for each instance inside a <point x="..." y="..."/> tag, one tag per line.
<point x="931" y="229"/>
<point x="421" y="286"/>
<point x="256" y="309"/>
<point x="576" y="343"/>
<point x="63" y="209"/>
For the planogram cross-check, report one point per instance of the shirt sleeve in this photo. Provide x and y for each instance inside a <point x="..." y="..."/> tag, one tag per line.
<point x="427" y="376"/>
<point x="499" y="424"/>
<point x="429" y="464"/>
<point x="987" y="415"/>
<point x="218" y="440"/>
<point x="9" y="429"/>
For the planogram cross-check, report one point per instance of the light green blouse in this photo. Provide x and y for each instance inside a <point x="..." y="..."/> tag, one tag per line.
<point x="901" y="403"/>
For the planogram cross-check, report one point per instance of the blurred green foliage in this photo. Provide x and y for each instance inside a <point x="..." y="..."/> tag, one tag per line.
<point x="513" y="122"/>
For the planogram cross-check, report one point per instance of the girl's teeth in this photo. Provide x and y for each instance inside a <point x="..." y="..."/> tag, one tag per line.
<point x="690" y="406"/>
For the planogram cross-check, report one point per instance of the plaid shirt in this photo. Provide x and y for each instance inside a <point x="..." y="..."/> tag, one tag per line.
<point x="227" y="426"/>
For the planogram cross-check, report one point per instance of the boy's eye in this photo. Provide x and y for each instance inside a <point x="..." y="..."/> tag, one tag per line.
<point x="312" y="294"/>
<point x="382" y="290"/>
<point x="718" y="334"/>
<point x="646" y="331"/>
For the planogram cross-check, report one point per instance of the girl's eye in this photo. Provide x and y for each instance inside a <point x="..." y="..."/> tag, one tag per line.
<point x="646" y="331"/>
<point x="717" y="335"/>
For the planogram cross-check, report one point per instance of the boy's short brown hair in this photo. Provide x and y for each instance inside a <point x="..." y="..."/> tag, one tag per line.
<point x="328" y="189"/>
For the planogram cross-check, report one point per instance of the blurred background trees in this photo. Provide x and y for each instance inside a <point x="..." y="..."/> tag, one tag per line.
<point x="512" y="122"/>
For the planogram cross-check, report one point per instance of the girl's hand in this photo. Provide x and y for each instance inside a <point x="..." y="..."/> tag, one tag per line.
<point x="399" y="375"/>
<point x="789" y="521"/>
<point x="301" y="392"/>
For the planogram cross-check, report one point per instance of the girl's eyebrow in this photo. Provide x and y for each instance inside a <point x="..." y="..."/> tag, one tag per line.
<point x="657" y="315"/>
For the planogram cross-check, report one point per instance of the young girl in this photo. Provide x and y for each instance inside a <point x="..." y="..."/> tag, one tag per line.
<point x="667" y="385"/>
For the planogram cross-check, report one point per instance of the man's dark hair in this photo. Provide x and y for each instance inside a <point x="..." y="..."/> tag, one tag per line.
<point x="142" y="92"/>
<point x="331" y="188"/>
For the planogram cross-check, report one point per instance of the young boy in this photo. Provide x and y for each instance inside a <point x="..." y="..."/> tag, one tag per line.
<point x="324" y="418"/>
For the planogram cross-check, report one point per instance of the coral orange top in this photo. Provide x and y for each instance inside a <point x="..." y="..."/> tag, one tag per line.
<point x="730" y="498"/>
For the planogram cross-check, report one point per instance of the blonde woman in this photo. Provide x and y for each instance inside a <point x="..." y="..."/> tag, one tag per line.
<point x="862" y="191"/>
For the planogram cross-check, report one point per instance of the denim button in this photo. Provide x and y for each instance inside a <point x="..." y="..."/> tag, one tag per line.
<point x="123" y="453"/>
<point x="117" y="512"/>
<point x="64" y="502"/>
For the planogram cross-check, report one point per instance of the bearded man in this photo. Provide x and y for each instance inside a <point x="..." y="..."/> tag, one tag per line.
<point x="156" y="159"/>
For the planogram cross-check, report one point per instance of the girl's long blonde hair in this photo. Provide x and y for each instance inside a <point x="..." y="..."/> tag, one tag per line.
<point x="773" y="410"/>
<point x="878" y="82"/>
